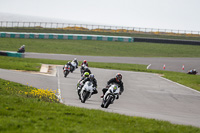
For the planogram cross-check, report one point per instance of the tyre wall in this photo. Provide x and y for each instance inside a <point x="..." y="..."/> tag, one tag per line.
<point x="12" y="54"/>
<point x="65" y="36"/>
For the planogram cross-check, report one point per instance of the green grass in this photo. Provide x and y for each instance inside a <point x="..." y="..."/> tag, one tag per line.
<point x="101" y="48"/>
<point x="29" y="64"/>
<point x="148" y="35"/>
<point x="20" y="114"/>
<point x="26" y="63"/>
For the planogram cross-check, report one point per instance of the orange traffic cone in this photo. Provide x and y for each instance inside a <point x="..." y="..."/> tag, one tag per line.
<point x="164" y="66"/>
<point x="183" y="67"/>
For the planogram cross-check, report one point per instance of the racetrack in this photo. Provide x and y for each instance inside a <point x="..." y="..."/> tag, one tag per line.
<point x="157" y="63"/>
<point x="147" y="95"/>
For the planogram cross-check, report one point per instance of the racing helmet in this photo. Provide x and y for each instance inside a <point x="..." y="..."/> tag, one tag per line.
<point x="86" y="74"/>
<point x="118" y="77"/>
<point x="91" y="76"/>
<point x="75" y="59"/>
<point x="85" y="61"/>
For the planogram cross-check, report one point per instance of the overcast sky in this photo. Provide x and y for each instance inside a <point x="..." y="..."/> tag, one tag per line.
<point x="164" y="14"/>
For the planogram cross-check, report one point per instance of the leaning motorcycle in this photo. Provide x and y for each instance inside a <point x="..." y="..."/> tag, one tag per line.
<point x="66" y="70"/>
<point x="86" y="91"/>
<point x="82" y="69"/>
<point x="111" y="94"/>
<point x="21" y="50"/>
<point x="74" y="65"/>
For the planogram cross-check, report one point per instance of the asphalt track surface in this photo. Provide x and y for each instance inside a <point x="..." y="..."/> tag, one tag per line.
<point x="146" y="94"/>
<point x="157" y="63"/>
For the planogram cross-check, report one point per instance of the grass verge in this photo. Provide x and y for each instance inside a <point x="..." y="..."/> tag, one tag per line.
<point x="30" y="64"/>
<point x="101" y="48"/>
<point x="20" y="113"/>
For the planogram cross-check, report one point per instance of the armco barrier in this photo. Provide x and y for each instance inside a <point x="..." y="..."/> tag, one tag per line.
<point x="65" y="36"/>
<point x="12" y="54"/>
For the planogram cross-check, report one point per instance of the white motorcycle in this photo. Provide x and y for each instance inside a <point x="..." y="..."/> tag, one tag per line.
<point x="111" y="94"/>
<point x="74" y="66"/>
<point x="86" y="91"/>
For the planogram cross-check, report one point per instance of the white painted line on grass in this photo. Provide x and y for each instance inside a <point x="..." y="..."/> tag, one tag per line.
<point x="59" y="91"/>
<point x="148" y="66"/>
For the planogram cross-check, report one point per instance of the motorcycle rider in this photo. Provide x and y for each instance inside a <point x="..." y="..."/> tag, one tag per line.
<point x="22" y="49"/>
<point x="86" y="70"/>
<point x="68" y="63"/>
<point x="75" y="60"/>
<point x="117" y="80"/>
<point x="85" y="75"/>
<point x="193" y="71"/>
<point x="84" y="62"/>
<point x="83" y="65"/>
<point x="94" y="81"/>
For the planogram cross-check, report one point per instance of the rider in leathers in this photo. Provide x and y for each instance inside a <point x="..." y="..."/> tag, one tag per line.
<point x="75" y="60"/>
<point x="117" y="80"/>
<point x="87" y="70"/>
<point x="85" y="75"/>
<point x="68" y="63"/>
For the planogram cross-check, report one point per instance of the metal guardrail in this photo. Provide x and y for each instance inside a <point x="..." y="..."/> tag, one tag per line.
<point x="96" y="28"/>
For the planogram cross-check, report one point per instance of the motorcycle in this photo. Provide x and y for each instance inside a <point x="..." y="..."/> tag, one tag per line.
<point x="82" y="69"/>
<point x="66" y="70"/>
<point x="74" y="66"/>
<point x="111" y="94"/>
<point x="192" y="72"/>
<point x="21" y="50"/>
<point x="86" y="91"/>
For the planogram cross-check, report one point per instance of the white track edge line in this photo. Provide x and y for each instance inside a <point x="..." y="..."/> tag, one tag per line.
<point x="148" y="66"/>
<point x="59" y="90"/>
<point x="180" y="85"/>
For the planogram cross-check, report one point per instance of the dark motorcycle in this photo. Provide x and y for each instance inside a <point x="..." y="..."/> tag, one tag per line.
<point x="82" y="69"/>
<point x="66" y="70"/>
<point x="21" y="50"/>
<point x="194" y="72"/>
